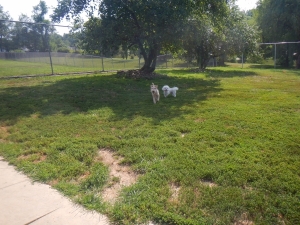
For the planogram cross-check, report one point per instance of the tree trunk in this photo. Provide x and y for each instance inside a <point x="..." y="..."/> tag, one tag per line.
<point x="202" y="57"/>
<point x="150" y="59"/>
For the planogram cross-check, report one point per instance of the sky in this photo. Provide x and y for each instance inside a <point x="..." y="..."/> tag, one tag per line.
<point x="16" y="7"/>
<point x="246" y="4"/>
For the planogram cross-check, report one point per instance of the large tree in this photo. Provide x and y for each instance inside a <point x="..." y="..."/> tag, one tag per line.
<point x="201" y="42"/>
<point x="242" y="37"/>
<point x="5" y="28"/>
<point x="151" y="25"/>
<point x="21" y="33"/>
<point x="205" y="38"/>
<point x="33" y="32"/>
<point x="279" y="21"/>
<point x="40" y="31"/>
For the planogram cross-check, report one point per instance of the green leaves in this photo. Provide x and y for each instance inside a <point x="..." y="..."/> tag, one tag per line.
<point x="279" y="22"/>
<point x="151" y="26"/>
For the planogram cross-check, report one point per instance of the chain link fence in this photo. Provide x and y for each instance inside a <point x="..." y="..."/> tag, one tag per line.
<point x="47" y="63"/>
<point x="22" y="43"/>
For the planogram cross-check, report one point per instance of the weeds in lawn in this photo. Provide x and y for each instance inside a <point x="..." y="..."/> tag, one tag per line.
<point x="226" y="150"/>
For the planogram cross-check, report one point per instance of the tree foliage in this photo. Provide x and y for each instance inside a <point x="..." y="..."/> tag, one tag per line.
<point x="242" y="37"/>
<point x="4" y="30"/>
<point x="279" y="21"/>
<point x="150" y="25"/>
<point x="32" y="33"/>
<point x="201" y="42"/>
<point x="205" y="39"/>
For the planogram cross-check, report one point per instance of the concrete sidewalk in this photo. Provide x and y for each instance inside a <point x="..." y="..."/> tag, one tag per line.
<point x="24" y="202"/>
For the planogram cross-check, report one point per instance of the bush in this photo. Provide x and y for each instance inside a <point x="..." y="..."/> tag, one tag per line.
<point x="63" y="49"/>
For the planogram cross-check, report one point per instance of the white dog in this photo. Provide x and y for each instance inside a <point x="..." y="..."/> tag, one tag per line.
<point x="167" y="90"/>
<point x="154" y="92"/>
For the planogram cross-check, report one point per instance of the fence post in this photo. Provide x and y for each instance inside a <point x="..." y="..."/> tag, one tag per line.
<point x="102" y="64"/>
<point x="51" y="61"/>
<point x="275" y="58"/>
<point x="243" y="60"/>
<point x="166" y="61"/>
<point x="49" y="49"/>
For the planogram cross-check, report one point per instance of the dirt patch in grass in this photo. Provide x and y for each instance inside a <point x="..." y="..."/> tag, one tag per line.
<point x="243" y="220"/>
<point x="208" y="183"/>
<point x="4" y="133"/>
<point x="35" y="158"/>
<point x="175" y="189"/>
<point x="41" y="159"/>
<point x="119" y="175"/>
<point x="200" y="120"/>
<point x="53" y="182"/>
<point x="24" y="157"/>
<point x="84" y="176"/>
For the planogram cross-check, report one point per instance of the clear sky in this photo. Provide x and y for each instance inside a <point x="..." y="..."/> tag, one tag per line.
<point x="246" y="4"/>
<point x="17" y="7"/>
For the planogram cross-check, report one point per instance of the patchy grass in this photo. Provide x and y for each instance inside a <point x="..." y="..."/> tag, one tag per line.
<point x="226" y="150"/>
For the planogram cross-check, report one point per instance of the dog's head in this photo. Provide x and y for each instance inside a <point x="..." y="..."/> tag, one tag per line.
<point x="153" y="88"/>
<point x="165" y="88"/>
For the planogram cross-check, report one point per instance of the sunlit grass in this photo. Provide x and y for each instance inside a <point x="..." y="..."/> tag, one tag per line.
<point x="69" y="65"/>
<point x="229" y="142"/>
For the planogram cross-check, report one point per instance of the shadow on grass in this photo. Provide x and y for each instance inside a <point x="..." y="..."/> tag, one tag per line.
<point x="228" y="74"/>
<point x="293" y="70"/>
<point x="126" y="98"/>
<point x="174" y="71"/>
<point x="257" y="66"/>
<point x="212" y="73"/>
<point x="262" y="66"/>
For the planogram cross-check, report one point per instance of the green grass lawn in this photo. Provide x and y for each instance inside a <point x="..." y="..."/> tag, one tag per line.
<point x="226" y="150"/>
<point x="67" y="65"/>
<point x="63" y="65"/>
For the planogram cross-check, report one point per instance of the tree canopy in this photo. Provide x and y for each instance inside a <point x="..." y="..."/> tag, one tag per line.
<point x="279" y="21"/>
<point x="4" y="30"/>
<point x="150" y="25"/>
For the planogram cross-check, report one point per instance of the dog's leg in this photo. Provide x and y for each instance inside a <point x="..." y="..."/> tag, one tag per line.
<point x="165" y="93"/>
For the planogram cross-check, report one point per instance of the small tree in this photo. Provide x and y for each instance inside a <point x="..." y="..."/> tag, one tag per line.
<point x="242" y="37"/>
<point x="202" y="41"/>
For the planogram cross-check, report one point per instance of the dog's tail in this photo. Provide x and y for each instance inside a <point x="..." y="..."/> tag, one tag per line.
<point x="175" y="88"/>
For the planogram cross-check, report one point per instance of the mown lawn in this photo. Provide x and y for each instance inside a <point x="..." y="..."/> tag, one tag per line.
<point x="226" y="150"/>
<point x="69" y="65"/>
